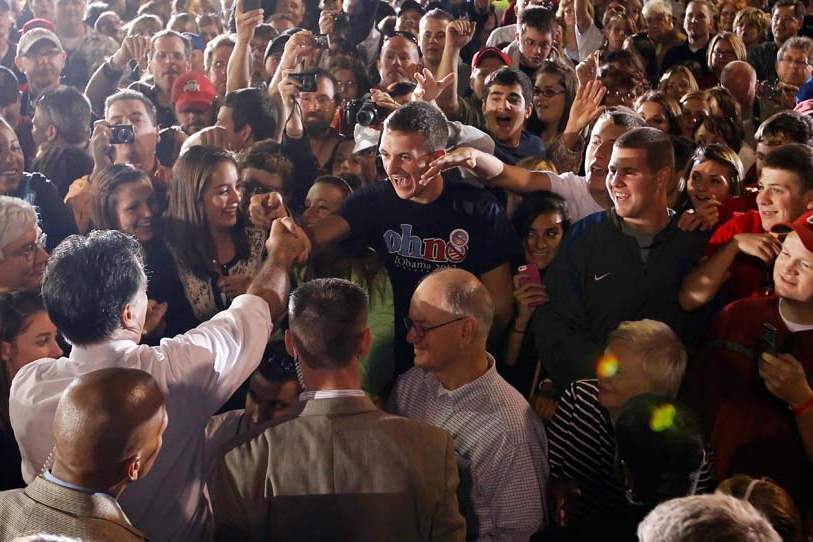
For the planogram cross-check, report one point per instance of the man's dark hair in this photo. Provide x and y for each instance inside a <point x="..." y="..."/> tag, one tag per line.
<point x="785" y="127"/>
<point x="795" y="158"/>
<point x="798" y="7"/>
<point x="249" y="106"/>
<point x="9" y="87"/>
<point x="506" y="76"/>
<point x="623" y="116"/>
<point x="539" y="18"/>
<point x="650" y="425"/>
<point x="132" y="94"/>
<point x="69" y="111"/>
<point x="88" y="281"/>
<point x="656" y="143"/>
<point x="422" y="118"/>
<point x="187" y="45"/>
<point x="327" y="318"/>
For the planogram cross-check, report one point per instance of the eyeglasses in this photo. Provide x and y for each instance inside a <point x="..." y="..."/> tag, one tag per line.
<point x="794" y="61"/>
<point x="421" y="331"/>
<point x="28" y="250"/>
<point x="547" y="92"/>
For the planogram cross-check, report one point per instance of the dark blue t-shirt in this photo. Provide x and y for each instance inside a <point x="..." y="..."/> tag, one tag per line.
<point x="529" y="145"/>
<point x="465" y="227"/>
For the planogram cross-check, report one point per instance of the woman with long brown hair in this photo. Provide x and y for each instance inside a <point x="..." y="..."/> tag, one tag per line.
<point x="214" y="252"/>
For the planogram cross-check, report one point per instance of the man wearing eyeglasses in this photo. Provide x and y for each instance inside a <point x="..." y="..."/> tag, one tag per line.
<point x="41" y="58"/>
<point x="793" y="68"/>
<point x="786" y="20"/>
<point x="499" y="440"/>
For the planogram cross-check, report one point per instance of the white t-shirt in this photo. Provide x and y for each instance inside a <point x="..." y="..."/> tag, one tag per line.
<point x="576" y="192"/>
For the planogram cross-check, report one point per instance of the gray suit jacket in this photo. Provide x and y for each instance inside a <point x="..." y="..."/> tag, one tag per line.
<point x="46" y="507"/>
<point x="341" y="470"/>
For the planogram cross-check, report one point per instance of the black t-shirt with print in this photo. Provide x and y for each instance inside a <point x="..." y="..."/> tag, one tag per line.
<point x="465" y="227"/>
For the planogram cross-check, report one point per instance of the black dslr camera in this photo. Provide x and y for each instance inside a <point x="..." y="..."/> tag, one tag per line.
<point x="361" y="111"/>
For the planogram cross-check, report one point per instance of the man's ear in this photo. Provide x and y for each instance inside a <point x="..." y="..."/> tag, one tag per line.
<point x="469" y="330"/>
<point x="5" y="350"/>
<point x="529" y="111"/>
<point x="245" y="134"/>
<point x="289" y="344"/>
<point x="18" y="61"/>
<point x="51" y="133"/>
<point x="364" y="344"/>
<point x="133" y="468"/>
<point x="127" y="318"/>
<point x="808" y="199"/>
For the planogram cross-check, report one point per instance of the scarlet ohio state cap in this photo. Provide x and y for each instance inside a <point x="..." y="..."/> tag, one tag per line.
<point x="487" y="52"/>
<point x="193" y="90"/>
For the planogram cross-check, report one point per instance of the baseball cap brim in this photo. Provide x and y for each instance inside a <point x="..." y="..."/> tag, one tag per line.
<point x="803" y="226"/>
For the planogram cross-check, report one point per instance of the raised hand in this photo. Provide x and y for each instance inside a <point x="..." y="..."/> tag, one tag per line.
<point x="429" y="88"/>
<point x="155" y="321"/>
<point x="704" y="217"/>
<point x="263" y="209"/>
<point x="132" y="48"/>
<point x="465" y="157"/>
<point x="586" y="106"/>
<point x="246" y="22"/>
<point x="459" y="33"/>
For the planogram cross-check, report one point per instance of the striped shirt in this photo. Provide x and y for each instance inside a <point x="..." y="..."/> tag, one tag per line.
<point x="500" y="444"/>
<point x="582" y="449"/>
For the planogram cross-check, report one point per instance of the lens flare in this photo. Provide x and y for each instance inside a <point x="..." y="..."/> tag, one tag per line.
<point x="663" y="418"/>
<point x="607" y="366"/>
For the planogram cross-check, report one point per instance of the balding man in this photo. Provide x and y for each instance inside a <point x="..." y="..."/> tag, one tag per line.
<point x="107" y="431"/>
<point x="454" y="385"/>
<point x="740" y="79"/>
<point x="341" y="469"/>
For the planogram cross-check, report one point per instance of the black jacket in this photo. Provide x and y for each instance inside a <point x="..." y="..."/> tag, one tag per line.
<point x="54" y="217"/>
<point x="599" y="280"/>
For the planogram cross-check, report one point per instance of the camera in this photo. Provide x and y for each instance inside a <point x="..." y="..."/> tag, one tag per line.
<point x="121" y="134"/>
<point x="361" y="111"/>
<point x="321" y="41"/>
<point x="305" y="81"/>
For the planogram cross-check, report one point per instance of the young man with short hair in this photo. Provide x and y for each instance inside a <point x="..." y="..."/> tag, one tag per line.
<point x="420" y="223"/>
<point x="700" y="24"/>
<point x="534" y="40"/>
<point x="622" y="264"/>
<point x="507" y="105"/>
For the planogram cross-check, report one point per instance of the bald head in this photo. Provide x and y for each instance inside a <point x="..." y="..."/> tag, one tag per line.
<point x="460" y="293"/>
<point x="740" y="79"/>
<point x="106" y="419"/>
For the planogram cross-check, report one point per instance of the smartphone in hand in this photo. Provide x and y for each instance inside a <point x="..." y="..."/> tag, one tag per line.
<point x="530" y="273"/>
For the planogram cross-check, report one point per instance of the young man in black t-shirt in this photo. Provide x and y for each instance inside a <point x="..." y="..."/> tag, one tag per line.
<point x="418" y="227"/>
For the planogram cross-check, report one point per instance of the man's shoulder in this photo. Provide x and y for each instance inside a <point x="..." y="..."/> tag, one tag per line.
<point x="745" y="222"/>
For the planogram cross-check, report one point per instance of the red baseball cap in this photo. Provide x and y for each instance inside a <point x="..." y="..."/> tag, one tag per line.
<point x="803" y="226"/>
<point x="38" y="23"/>
<point x="486" y="52"/>
<point x="193" y="90"/>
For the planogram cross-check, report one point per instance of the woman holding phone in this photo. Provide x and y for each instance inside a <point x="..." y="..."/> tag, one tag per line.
<point x="541" y="221"/>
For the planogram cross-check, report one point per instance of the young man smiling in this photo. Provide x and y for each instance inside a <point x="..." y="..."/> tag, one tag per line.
<point x="621" y="264"/>
<point x="419" y="225"/>
<point x="506" y="107"/>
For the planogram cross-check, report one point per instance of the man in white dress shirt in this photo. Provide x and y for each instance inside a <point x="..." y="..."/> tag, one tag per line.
<point x="95" y="292"/>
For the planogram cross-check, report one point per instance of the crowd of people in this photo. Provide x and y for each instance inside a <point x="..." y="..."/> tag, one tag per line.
<point x="406" y="270"/>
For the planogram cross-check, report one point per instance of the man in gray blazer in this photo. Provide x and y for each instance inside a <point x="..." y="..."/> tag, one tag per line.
<point x="107" y="433"/>
<point x="342" y="469"/>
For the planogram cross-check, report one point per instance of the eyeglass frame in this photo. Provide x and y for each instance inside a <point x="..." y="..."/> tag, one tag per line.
<point x="29" y="250"/>
<point x="421" y="331"/>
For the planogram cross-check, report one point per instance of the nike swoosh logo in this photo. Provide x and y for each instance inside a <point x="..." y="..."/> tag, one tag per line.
<point x="599" y="277"/>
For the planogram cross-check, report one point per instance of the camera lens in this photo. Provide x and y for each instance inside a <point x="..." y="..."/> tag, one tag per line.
<point x="366" y="115"/>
